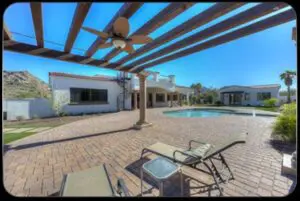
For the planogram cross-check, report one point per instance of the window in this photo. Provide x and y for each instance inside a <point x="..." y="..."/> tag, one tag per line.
<point x="80" y="95"/>
<point x="263" y="95"/>
<point x="175" y="97"/>
<point x="160" y="97"/>
<point x="247" y="96"/>
<point x="168" y="97"/>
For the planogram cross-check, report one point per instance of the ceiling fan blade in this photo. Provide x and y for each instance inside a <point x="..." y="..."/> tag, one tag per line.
<point x="140" y="39"/>
<point x="98" y="33"/>
<point x="121" y="26"/>
<point x="128" y="48"/>
<point x="104" y="45"/>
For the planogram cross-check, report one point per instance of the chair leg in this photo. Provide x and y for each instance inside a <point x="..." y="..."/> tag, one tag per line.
<point x="226" y="165"/>
<point x="214" y="168"/>
<point x="214" y="176"/>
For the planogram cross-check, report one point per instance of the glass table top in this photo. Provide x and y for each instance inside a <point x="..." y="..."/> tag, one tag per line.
<point x="160" y="168"/>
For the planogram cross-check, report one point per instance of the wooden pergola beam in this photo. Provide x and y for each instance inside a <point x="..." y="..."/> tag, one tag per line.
<point x="164" y="16"/>
<point x="33" y="50"/>
<point x="7" y="34"/>
<point x="234" y="21"/>
<point x="204" y="17"/>
<point x="275" y="20"/>
<point x="127" y="10"/>
<point x="81" y="12"/>
<point x="36" y="12"/>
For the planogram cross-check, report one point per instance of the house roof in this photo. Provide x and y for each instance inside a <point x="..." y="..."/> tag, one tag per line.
<point x="254" y="86"/>
<point x="183" y="87"/>
<point x="98" y="77"/>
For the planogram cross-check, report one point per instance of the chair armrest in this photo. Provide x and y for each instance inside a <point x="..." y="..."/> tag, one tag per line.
<point x="122" y="188"/>
<point x="195" y="141"/>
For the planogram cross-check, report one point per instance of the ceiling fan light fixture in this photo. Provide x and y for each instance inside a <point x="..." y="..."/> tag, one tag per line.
<point x="119" y="43"/>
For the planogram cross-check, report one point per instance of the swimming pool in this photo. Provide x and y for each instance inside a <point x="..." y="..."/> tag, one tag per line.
<point x="207" y="113"/>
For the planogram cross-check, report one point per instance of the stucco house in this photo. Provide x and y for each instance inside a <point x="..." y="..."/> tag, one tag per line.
<point x="92" y="94"/>
<point x="248" y="95"/>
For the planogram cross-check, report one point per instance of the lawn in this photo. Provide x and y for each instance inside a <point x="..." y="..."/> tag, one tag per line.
<point x="46" y="122"/>
<point x="9" y="137"/>
<point x="37" y="123"/>
<point x="270" y="109"/>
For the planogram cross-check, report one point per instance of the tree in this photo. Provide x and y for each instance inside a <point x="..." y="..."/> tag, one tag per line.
<point x="288" y="77"/>
<point x="197" y="87"/>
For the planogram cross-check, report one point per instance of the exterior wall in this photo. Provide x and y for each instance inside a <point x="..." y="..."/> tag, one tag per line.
<point x="61" y="89"/>
<point x="27" y="108"/>
<point x="16" y="108"/>
<point x="283" y="99"/>
<point x="41" y="108"/>
<point x="252" y="93"/>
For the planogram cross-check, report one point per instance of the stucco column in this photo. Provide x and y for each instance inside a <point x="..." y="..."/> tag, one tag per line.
<point x="153" y="98"/>
<point x="135" y="100"/>
<point x="143" y="102"/>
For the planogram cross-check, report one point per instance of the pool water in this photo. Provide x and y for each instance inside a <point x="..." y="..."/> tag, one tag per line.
<point x="207" y="113"/>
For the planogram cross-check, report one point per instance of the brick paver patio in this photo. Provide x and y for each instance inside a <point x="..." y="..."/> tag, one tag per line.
<point x="35" y="165"/>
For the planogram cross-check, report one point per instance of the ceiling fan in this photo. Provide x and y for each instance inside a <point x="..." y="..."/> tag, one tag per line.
<point x="118" y="36"/>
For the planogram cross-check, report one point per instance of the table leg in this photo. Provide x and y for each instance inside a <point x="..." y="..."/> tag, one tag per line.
<point x="181" y="182"/>
<point x="141" y="181"/>
<point x="161" y="188"/>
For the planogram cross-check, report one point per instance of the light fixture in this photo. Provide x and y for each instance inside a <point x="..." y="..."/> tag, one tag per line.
<point x="119" y="43"/>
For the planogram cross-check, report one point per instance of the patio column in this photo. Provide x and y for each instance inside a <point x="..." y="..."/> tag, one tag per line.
<point x="135" y="100"/>
<point x="143" y="102"/>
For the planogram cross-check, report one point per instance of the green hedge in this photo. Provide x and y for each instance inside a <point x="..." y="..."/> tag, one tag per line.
<point x="285" y="125"/>
<point x="270" y="102"/>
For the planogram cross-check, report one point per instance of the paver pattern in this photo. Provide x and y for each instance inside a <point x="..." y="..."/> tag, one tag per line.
<point x="34" y="166"/>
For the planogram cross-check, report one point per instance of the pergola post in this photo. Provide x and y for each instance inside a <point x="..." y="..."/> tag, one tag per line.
<point x="171" y="99"/>
<point x="143" y="102"/>
<point x="135" y="100"/>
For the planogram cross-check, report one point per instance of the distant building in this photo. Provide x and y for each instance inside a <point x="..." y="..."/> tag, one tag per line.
<point x="248" y="95"/>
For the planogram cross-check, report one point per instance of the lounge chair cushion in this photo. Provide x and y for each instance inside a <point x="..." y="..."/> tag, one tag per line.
<point x="90" y="182"/>
<point x="200" y="151"/>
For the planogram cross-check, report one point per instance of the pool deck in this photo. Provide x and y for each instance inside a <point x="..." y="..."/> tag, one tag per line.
<point x="34" y="166"/>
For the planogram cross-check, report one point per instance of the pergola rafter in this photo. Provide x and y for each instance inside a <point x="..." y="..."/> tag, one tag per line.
<point x="232" y="22"/>
<point x="7" y="34"/>
<point x="81" y="12"/>
<point x="36" y="12"/>
<point x="164" y="16"/>
<point x="174" y="9"/>
<point x="275" y="20"/>
<point x="127" y="10"/>
<point x="204" y="17"/>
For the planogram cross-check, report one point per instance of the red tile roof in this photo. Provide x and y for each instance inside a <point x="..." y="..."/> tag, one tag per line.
<point x="100" y="78"/>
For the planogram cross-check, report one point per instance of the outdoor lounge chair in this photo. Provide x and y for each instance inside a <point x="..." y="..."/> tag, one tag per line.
<point x="92" y="182"/>
<point x="200" y="154"/>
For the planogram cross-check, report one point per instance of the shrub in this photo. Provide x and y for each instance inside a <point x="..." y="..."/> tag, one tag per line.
<point x="218" y="102"/>
<point x="19" y="118"/>
<point x="285" y="125"/>
<point x="270" y="102"/>
<point x="62" y="114"/>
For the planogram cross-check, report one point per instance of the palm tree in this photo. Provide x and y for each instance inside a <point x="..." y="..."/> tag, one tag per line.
<point x="287" y="77"/>
<point x="197" y="87"/>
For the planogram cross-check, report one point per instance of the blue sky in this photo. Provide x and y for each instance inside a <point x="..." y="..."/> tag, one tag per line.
<point x="252" y="60"/>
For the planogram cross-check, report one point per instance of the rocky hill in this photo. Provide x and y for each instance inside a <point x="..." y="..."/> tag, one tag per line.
<point x="22" y="84"/>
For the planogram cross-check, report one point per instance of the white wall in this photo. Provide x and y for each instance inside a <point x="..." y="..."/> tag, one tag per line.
<point x="27" y="108"/>
<point x="16" y="108"/>
<point x="61" y="86"/>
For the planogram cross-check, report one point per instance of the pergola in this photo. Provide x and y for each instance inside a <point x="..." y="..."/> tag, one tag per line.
<point x="168" y="53"/>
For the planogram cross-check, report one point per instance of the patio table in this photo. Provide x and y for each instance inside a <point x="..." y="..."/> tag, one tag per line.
<point x="160" y="169"/>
